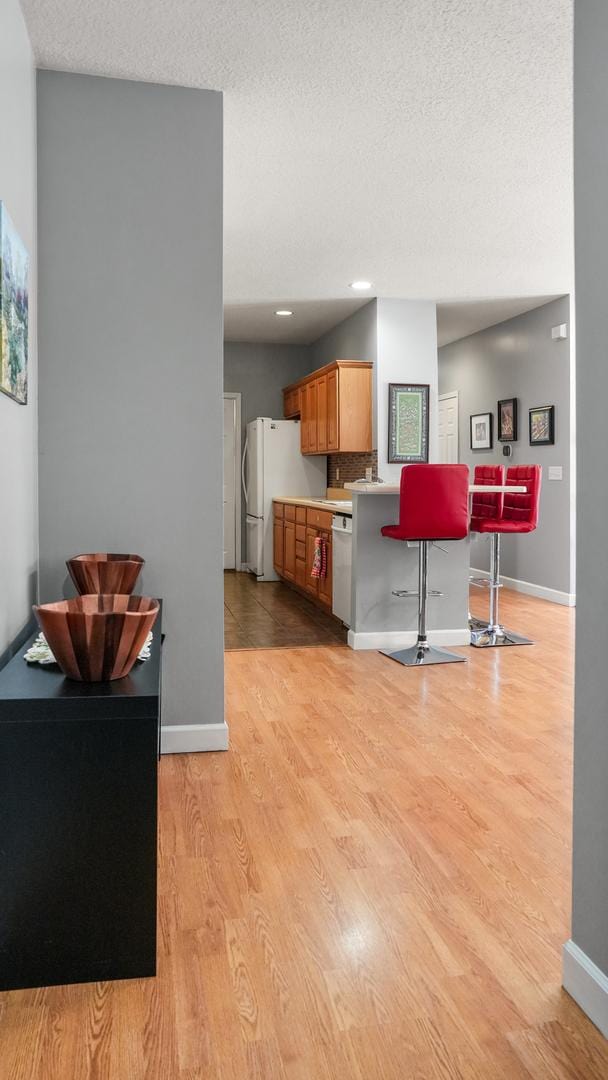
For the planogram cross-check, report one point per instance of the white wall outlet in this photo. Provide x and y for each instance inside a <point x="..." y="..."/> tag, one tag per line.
<point x="556" y="472"/>
<point x="558" y="333"/>
<point x="369" y="473"/>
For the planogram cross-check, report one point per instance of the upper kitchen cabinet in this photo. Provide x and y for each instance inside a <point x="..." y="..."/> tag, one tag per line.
<point x="335" y="407"/>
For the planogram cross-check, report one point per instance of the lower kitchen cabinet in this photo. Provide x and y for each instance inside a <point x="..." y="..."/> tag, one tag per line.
<point x="296" y="529"/>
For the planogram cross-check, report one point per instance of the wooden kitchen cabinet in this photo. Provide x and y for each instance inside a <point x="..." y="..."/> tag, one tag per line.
<point x="277" y="533"/>
<point x="335" y="405"/>
<point x="291" y="403"/>
<point x="289" y="551"/>
<point x="295" y="529"/>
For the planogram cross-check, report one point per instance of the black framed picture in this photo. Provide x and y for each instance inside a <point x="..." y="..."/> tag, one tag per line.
<point x="408" y="422"/>
<point x="542" y="425"/>
<point x="481" y="431"/>
<point x="507" y="420"/>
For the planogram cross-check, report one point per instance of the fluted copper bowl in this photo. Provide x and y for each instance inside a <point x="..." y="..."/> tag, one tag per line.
<point x="104" y="572"/>
<point x="97" y="638"/>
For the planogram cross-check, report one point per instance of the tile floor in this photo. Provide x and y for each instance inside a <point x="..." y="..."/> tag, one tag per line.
<point x="270" y="615"/>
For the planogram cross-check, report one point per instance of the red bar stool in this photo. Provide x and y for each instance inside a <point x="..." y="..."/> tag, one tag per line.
<point x="433" y="505"/>
<point x="519" y="515"/>
<point x="485" y="506"/>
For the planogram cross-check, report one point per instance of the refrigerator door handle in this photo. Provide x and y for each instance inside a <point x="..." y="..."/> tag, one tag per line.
<point x="245" y="492"/>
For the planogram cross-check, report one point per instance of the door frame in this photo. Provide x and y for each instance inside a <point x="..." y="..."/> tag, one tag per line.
<point x="238" y="451"/>
<point x="444" y="397"/>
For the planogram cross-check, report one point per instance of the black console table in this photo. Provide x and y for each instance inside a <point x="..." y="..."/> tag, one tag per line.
<point x="78" y="799"/>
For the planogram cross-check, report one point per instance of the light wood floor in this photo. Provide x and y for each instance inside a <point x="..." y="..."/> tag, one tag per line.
<point x="373" y="884"/>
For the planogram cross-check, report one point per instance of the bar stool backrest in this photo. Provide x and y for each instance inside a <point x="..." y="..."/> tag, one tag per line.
<point x="519" y="507"/>
<point x="490" y="505"/>
<point x="433" y="502"/>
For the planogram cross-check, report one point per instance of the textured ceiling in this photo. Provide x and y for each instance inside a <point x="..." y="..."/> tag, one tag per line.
<point x="423" y="144"/>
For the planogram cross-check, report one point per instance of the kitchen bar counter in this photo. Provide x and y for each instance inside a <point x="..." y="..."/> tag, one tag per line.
<point x="380" y="620"/>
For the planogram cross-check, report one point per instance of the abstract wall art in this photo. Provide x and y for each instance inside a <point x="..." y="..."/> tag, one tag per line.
<point x="14" y="263"/>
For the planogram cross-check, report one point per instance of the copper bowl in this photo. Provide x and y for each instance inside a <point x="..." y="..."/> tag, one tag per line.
<point x="104" y="572"/>
<point x="97" y="638"/>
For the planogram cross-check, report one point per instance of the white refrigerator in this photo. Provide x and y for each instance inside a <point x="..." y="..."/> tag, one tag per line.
<point x="273" y="466"/>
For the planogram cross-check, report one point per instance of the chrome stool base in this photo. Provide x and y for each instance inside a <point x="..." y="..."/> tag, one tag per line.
<point x="486" y="637"/>
<point x="491" y="635"/>
<point x="421" y="654"/>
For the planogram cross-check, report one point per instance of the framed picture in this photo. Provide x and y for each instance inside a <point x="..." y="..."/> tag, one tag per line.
<point x="507" y="420"/>
<point x="542" y="425"/>
<point x="408" y="422"/>
<point x="481" y="431"/>
<point x="14" y="264"/>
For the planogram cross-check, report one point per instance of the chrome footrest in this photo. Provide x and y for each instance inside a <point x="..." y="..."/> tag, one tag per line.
<point x="484" y="583"/>
<point x="407" y="592"/>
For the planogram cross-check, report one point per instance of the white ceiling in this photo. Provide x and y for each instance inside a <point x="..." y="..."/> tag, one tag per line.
<point x="422" y="144"/>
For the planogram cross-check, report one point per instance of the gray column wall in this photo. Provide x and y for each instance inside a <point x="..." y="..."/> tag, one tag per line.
<point x="130" y="234"/>
<point x="590" y="864"/>
<point x="18" y="423"/>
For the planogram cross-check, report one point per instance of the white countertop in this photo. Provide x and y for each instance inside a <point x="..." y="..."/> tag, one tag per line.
<point x="333" y="506"/>
<point x="394" y="489"/>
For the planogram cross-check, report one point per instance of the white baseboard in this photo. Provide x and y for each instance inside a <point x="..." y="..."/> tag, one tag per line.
<point x="554" y="595"/>
<point x="193" y="738"/>
<point x="401" y="639"/>
<point x="587" y="984"/>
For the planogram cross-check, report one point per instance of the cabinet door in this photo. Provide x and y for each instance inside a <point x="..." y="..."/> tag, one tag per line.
<point x="312" y="417"/>
<point x="312" y="584"/>
<point x="333" y="434"/>
<point x="304" y="420"/>
<point x="289" y="551"/>
<point x="277" y="532"/>
<point x="325" y="584"/>
<point x="301" y="573"/>
<point x="321" y="385"/>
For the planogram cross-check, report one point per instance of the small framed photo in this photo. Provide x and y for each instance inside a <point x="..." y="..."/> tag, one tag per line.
<point x="481" y="431"/>
<point x="408" y="423"/>
<point x="507" y="420"/>
<point x="542" y="425"/>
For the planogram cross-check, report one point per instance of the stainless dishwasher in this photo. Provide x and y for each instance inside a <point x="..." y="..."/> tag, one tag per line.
<point x="342" y="542"/>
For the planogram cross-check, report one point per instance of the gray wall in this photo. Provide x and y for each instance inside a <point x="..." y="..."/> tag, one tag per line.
<point x="590" y="870"/>
<point x="18" y="434"/>
<point x="130" y="235"/>
<point x="355" y="338"/>
<point x="259" y="372"/>
<point x="518" y="358"/>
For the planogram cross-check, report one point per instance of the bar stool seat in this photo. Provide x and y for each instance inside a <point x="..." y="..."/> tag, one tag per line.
<point x="433" y="505"/>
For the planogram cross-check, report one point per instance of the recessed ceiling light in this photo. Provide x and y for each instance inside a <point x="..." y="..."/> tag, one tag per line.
<point x="360" y="285"/>
<point x="283" y="313"/>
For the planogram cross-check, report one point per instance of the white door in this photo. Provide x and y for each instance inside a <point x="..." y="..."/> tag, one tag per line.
<point x="230" y="472"/>
<point x="448" y="428"/>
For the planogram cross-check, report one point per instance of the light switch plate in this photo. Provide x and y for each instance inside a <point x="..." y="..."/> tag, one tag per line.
<point x="556" y="472"/>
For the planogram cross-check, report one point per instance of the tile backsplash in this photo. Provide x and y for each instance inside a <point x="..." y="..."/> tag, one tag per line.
<point x="350" y="467"/>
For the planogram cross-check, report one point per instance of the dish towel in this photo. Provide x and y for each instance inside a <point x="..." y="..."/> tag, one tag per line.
<point x="319" y="561"/>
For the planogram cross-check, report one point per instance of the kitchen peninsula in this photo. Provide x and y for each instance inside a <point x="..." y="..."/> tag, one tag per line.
<point x="380" y="620"/>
